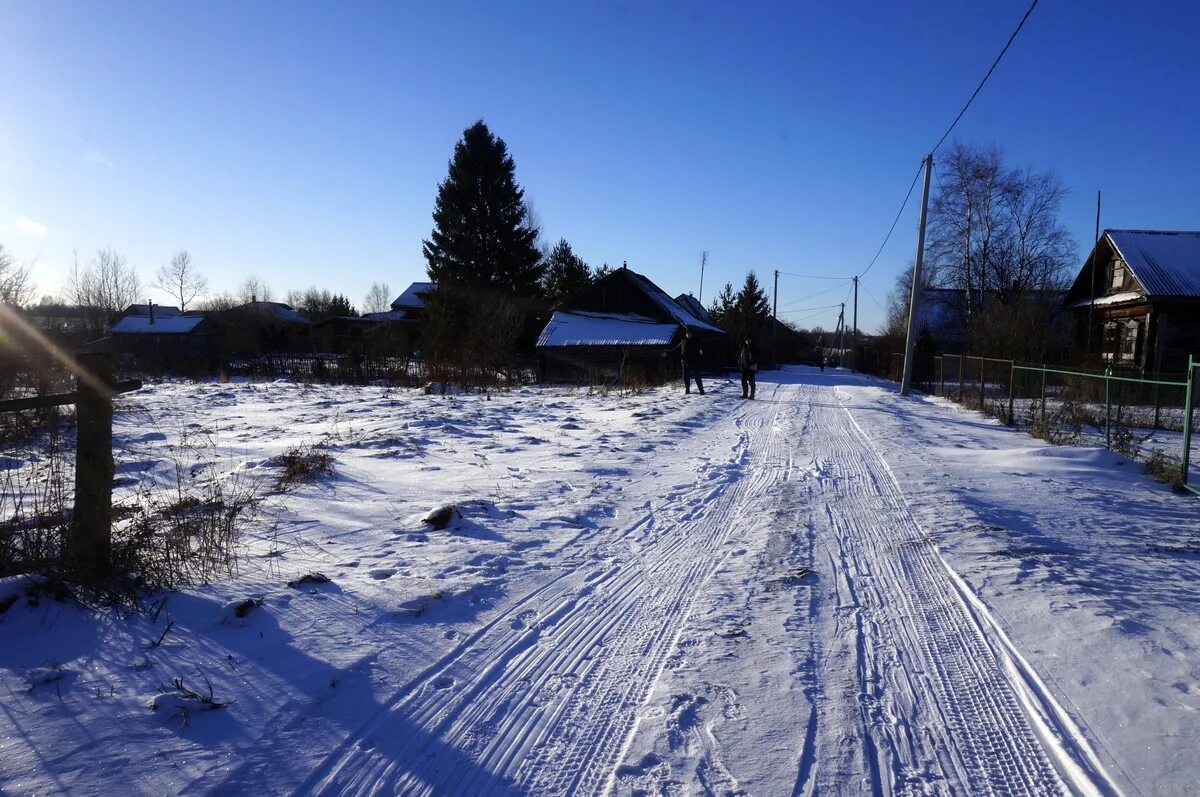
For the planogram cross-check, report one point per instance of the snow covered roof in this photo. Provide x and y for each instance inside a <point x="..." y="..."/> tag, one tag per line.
<point x="278" y="311"/>
<point x="160" y="310"/>
<point x="411" y="298"/>
<point x="604" y="329"/>
<point x="144" y="325"/>
<point x="693" y="306"/>
<point x="1114" y="298"/>
<point x="1166" y="263"/>
<point x="389" y="315"/>
<point x="670" y="306"/>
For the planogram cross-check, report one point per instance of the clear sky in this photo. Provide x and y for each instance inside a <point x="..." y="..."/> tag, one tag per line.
<point x="303" y="142"/>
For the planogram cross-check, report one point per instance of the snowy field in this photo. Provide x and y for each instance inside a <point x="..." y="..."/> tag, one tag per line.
<point x="829" y="590"/>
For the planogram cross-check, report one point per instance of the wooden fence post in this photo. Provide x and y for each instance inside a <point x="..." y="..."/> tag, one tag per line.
<point x="1012" y="384"/>
<point x="89" y="541"/>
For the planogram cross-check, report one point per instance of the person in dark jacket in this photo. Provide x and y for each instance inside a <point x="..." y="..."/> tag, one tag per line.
<point x="748" y="362"/>
<point x="689" y="354"/>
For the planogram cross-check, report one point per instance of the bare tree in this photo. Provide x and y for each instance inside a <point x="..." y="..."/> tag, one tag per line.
<point x="379" y="298"/>
<point x="16" y="282"/>
<point x="994" y="234"/>
<point x="180" y="280"/>
<point x="255" y="290"/>
<point x="103" y="289"/>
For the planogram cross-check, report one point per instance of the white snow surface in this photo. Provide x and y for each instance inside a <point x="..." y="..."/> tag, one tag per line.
<point x="159" y="325"/>
<point x="831" y="589"/>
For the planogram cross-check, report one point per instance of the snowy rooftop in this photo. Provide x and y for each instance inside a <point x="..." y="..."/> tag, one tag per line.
<point x="278" y="311"/>
<point x="411" y="298"/>
<point x="693" y="306"/>
<point x="389" y="315"/>
<point x="1115" y="298"/>
<point x="1165" y="263"/>
<point x="604" y="329"/>
<point x="145" y="325"/>
<point x="160" y="310"/>
<point x="671" y="307"/>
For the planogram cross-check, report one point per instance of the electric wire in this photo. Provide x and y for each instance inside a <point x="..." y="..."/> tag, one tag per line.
<point x="810" y="276"/>
<point x="815" y="295"/>
<point x="991" y="69"/>
<point x="899" y="213"/>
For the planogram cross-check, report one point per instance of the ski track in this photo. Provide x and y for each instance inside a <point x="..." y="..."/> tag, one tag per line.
<point x="547" y="705"/>
<point x="943" y="704"/>
<point x="914" y="688"/>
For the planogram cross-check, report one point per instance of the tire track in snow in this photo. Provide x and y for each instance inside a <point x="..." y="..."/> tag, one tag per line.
<point x="944" y="703"/>
<point x="549" y="707"/>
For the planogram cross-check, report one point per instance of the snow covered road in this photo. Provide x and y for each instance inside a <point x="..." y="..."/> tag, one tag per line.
<point x="829" y="590"/>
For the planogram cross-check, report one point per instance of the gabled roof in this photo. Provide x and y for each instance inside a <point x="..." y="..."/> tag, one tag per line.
<point x="145" y="325"/>
<point x="604" y="329"/>
<point x="412" y="299"/>
<point x="276" y="311"/>
<point x="1166" y="263"/>
<point x="160" y="310"/>
<point x="669" y="305"/>
<point x="693" y="306"/>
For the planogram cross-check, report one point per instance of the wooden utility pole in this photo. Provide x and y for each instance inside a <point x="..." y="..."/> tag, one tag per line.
<point x="1092" y="304"/>
<point x="775" y="322"/>
<point x="914" y="301"/>
<point x="854" y="332"/>
<point x="841" y="335"/>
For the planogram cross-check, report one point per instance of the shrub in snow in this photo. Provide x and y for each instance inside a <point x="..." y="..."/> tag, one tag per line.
<point x="177" y="699"/>
<point x="309" y="579"/>
<point x="301" y="464"/>
<point x="443" y="389"/>
<point x="44" y="675"/>
<point x="240" y="609"/>
<point x="440" y="517"/>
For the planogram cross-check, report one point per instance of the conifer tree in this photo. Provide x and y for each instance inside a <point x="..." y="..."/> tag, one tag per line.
<point x="721" y="311"/>
<point x="566" y="274"/>
<point x="752" y="309"/>
<point x="482" y="237"/>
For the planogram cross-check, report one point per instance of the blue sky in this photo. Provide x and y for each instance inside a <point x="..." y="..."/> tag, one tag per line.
<point x="303" y="142"/>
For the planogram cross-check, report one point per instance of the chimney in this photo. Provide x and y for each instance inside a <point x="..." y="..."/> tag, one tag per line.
<point x="624" y="264"/>
<point x="253" y="299"/>
<point x="150" y="304"/>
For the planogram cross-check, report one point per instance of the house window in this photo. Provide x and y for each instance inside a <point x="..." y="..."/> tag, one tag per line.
<point x="1129" y="341"/>
<point x="1112" y="341"/>
<point x="1118" y="275"/>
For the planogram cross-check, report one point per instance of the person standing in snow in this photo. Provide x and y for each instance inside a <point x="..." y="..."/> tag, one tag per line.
<point x="748" y="362"/>
<point x="689" y="354"/>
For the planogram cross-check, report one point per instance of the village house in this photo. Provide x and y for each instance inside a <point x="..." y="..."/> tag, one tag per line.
<point x="160" y="338"/>
<point x="619" y="327"/>
<point x="1137" y="300"/>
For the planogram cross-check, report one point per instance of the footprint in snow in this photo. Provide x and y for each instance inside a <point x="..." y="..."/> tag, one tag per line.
<point x="379" y="574"/>
<point x="443" y="682"/>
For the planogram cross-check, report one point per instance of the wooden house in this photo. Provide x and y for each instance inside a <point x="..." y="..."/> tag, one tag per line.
<point x="1137" y="300"/>
<point x="178" y="343"/>
<point x="619" y="327"/>
<point x="258" y="327"/>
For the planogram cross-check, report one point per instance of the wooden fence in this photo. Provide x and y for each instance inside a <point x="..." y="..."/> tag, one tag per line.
<point x="88" y="544"/>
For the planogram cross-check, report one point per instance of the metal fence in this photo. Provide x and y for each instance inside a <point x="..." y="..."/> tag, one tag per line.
<point x="1146" y="418"/>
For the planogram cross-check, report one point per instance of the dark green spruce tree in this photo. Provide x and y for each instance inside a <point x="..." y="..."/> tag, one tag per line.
<point x="752" y="310"/>
<point x="482" y="236"/>
<point x="566" y="275"/>
<point x="722" y="310"/>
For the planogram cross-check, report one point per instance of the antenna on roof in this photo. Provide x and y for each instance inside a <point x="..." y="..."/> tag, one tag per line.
<point x="703" y="261"/>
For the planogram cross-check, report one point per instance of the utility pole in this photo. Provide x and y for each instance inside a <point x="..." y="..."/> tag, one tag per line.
<point x="775" y="322"/>
<point x="854" y="334"/>
<point x="1095" y="251"/>
<point x="841" y="335"/>
<point x="914" y="301"/>
<point x="703" y="261"/>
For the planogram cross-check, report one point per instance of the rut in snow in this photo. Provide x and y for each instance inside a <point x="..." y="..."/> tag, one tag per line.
<point x="544" y="697"/>
<point x="939" y="702"/>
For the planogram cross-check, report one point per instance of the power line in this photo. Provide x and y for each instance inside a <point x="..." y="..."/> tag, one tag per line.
<point x="877" y="302"/>
<point x="985" y="77"/>
<point x="892" y="229"/>
<point x="815" y="295"/>
<point x="806" y="309"/>
<point x="810" y="276"/>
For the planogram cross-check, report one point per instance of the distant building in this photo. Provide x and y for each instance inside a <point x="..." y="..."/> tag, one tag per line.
<point x="180" y="343"/>
<point x="1137" y="300"/>
<point x="620" y="326"/>
<point x="412" y="301"/>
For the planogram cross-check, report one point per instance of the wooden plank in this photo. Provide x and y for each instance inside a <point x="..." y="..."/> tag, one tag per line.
<point x="60" y="399"/>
